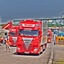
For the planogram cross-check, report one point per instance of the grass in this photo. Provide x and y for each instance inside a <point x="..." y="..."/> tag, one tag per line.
<point x="2" y="24"/>
<point x="59" y="62"/>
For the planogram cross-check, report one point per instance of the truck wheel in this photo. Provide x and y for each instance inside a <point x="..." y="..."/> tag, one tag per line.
<point x="41" y="49"/>
<point x="18" y="53"/>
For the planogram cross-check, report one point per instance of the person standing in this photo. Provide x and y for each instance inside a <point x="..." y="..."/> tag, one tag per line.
<point x="7" y="45"/>
<point x="55" y="35"/>
<point x="6" y="39"/>
<point x="0" y="41"/>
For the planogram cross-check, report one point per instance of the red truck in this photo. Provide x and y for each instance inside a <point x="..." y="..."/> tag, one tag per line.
<point x="49" y="36"/>
<point x="13" y="32"/>
<point x="32" y="38"/>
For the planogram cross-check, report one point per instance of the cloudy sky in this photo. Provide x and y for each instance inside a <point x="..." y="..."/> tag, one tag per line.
<point x="12" y="9"/>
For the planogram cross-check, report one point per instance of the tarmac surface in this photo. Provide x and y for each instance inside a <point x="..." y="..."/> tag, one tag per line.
<point x="58" y="54"/>
<point x="11" y="58"/>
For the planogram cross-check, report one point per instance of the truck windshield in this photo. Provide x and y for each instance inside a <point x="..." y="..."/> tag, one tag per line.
<point x="29" y="32"/>
<point x="12" y="33"/>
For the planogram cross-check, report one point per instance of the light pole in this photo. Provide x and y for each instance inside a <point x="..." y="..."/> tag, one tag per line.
<point x="62" y="23"/>
<point x="62" y="15"/>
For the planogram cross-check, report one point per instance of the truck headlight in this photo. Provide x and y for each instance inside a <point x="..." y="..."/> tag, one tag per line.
<point x="49" y="40"/>
<point x="18" y="48"/>
<point x="35" y="49"/>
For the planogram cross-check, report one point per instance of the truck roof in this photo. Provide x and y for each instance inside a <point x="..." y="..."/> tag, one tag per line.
<point x="30" y="24"/>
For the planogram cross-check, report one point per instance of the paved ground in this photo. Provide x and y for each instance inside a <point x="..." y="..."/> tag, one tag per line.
<point x="11" y="58"/>
<point x="58" y="54"/>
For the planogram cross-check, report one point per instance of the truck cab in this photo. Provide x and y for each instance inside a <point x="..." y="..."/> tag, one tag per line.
<point x="13" y="33"/>
<point x="30" y="37"/>
<point x="49" y="36"/>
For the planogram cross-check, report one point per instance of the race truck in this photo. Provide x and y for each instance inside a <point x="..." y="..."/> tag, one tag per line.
<point x="32" y="38"/>
<point x="49" y="36"/>
<point x="13" y="32"/>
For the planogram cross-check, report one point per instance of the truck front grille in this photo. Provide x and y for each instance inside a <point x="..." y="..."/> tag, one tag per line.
<point x="14" y="39"/>
<point x="27" y="42"/>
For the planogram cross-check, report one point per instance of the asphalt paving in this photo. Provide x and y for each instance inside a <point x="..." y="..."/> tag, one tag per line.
<point x="12" y="58"/>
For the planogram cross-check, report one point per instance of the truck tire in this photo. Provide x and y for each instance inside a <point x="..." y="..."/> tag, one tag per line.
<point x="41" y="50"/>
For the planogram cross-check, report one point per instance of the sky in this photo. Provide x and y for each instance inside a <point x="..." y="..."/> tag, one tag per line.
<point x="15" y="9"/>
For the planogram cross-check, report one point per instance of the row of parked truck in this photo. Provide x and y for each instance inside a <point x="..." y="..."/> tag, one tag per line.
<point x="29" y="36"/>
